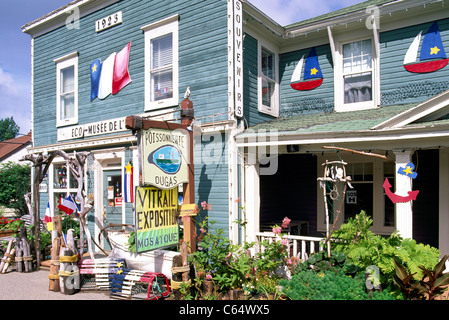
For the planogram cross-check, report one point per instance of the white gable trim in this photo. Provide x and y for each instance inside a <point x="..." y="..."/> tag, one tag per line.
<point x="429" y="110"/>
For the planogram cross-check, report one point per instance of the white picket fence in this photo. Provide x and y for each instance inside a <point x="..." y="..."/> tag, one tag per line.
<point x="298" y="246"/>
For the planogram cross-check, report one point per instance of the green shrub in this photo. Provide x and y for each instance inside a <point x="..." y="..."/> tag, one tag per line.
<point x="329" y="285"/>
<point x="365" y="248"/>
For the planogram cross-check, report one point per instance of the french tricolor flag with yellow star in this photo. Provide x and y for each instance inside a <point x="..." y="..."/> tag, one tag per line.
<point x="110" y="76"/>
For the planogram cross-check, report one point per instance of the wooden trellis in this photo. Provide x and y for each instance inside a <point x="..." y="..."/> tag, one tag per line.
<point x="76" y="163"/>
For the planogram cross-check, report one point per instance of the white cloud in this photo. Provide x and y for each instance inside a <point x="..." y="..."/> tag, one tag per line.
<point x="7" y="84"/>
<point x="15" y="100"/>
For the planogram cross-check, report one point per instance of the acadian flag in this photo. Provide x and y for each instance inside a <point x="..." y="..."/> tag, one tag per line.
<point x="68" y="205"/>
<point x="47" y="217"/>
<point x="111" y="75"/>
<point x="129" y="185"/>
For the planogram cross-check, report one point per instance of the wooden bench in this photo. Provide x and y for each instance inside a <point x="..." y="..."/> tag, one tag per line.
<point x="136" y="284"/>
<point x="97" y="274"/>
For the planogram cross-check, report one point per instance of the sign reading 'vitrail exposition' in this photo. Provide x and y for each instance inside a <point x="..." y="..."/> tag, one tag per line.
<point x="164" y="157"/>
<point x="156" y="218"/>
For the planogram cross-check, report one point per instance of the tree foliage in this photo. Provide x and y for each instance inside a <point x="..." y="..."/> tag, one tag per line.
<point x="14" y="184"/>
<point x="8" y="128"/>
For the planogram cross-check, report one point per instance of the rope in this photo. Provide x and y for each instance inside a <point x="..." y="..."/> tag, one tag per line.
<point x="73" y="258"/>
<point x="180" y="269"/>
<point x="177" y="284"/>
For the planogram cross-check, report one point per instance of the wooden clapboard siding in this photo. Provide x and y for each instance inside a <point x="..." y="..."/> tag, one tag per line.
<point x="320" y="99"/>
<point x="398" y="86"/>
<point x="211" y="180"/>
<point x="202" y="60"/>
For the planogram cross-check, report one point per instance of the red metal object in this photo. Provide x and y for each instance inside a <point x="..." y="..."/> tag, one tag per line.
<point x="149" y="277"/>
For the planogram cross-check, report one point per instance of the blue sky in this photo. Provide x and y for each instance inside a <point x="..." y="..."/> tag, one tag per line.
<point x="15" y="48"/>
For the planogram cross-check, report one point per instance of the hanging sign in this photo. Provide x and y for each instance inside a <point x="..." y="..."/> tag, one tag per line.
<point x="156" y="216"/>
<point x="164" y="157"/>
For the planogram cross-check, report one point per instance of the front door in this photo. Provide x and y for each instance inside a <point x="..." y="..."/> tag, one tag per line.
<point x="112" y="199"/>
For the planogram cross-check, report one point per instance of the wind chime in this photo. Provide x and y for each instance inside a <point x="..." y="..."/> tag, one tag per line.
<point x="333" y="181"/>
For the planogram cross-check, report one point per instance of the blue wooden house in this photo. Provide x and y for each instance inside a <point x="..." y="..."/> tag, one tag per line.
<point x="267" y="99"/>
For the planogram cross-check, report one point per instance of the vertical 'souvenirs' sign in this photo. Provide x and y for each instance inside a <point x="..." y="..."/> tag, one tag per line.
<point x="235" y="55"/>
<point x="164" y="157"/>
<point x="156" y="216"/>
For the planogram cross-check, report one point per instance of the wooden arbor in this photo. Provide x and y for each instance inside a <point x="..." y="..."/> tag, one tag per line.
<point x="76" y="164"/>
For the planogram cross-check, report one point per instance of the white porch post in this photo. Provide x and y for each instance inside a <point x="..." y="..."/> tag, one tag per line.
<point x="403" y="184"/>
<point x="252" y="201"/>
<point x="444" y="202"/>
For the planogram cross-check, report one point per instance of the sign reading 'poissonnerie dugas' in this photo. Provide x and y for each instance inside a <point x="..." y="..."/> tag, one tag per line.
<point x="164" y="157"/>
<point x="156" y="216"/>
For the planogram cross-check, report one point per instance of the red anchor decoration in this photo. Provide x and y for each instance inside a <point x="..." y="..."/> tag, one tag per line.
<point x="397" y="198"/>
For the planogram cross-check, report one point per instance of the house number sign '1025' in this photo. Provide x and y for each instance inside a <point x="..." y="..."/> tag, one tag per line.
<point x="108" y="22"/>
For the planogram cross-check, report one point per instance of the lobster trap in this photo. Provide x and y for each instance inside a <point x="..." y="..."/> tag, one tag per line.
<point x="97" y="274"/>
<point x="141" y="285"/>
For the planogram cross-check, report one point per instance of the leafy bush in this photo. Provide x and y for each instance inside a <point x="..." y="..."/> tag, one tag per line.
<point x="14" y="184"/>
<point x="329" y="285"/>
<point x="364" y="248"/>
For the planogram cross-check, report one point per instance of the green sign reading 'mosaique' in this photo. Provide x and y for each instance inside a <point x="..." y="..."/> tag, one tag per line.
<point x="156" y="218"/>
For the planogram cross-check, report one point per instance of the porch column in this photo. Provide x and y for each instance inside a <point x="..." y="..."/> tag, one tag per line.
<point x="252" y="201"/>
<point x="403" y="184"/>
<point x="444" y="202"/>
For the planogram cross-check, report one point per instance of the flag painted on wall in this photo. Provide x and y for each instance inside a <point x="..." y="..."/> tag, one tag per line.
<point x="129" y="185"/>
<point x="111" y="75"/>
<point x="68" y="205"/>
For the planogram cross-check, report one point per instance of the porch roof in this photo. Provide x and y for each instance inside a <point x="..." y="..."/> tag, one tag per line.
<point x="367" y="129"/>
<point x="331" y="122"/>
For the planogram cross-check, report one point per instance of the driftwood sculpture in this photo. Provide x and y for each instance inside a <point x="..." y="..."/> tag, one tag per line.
<point x="69" y="277"/>
<point x="75" y="163"/>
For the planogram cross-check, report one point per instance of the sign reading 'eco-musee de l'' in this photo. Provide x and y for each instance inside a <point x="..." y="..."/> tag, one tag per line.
<point x="164" y="157"/>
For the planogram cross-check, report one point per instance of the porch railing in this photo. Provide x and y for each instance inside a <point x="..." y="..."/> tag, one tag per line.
<point x="298" y="246"/>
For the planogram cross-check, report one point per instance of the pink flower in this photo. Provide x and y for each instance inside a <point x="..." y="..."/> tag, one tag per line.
<point x="208" y="277"/>
<point x="285" y="222"/>
<point x="289" y="261"/>
<point x="202" y="230"/>
<point x="277" y="230"/>
<point x="284" y="241"/>
<point x="204" y="205"/>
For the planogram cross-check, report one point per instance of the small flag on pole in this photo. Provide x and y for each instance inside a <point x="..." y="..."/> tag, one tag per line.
<point x="129" y="186"/>
<point x="47" y="217"/>
<point x="68" y="205"/>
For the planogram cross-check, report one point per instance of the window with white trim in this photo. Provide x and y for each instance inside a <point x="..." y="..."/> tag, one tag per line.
<point x="268" y="82"/>
<point x="67" y="90"/>
<point x="356" y="87"/>
<point x="357" y="71"/>
<point x="161" y="64"/>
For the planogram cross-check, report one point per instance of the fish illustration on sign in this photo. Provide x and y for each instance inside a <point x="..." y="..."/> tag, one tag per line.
<point x="167" y="158"/>
<point x="432" y="58"/>
<point x="313" y="77"/>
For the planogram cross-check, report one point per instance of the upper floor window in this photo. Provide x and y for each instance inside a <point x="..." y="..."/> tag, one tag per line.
<point x="67" y="90"/>
<point x="268" y="82"/>
<point x="161" y="64"/>
<point x="357" y="71"/>
<point x="356" y="76"/>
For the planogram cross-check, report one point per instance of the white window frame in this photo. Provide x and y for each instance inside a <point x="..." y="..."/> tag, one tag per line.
<point x="62" y="63"/>
<point x="340" y="105"/>
<point x="274" y="110"/>
<point x="155" y="30"/>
